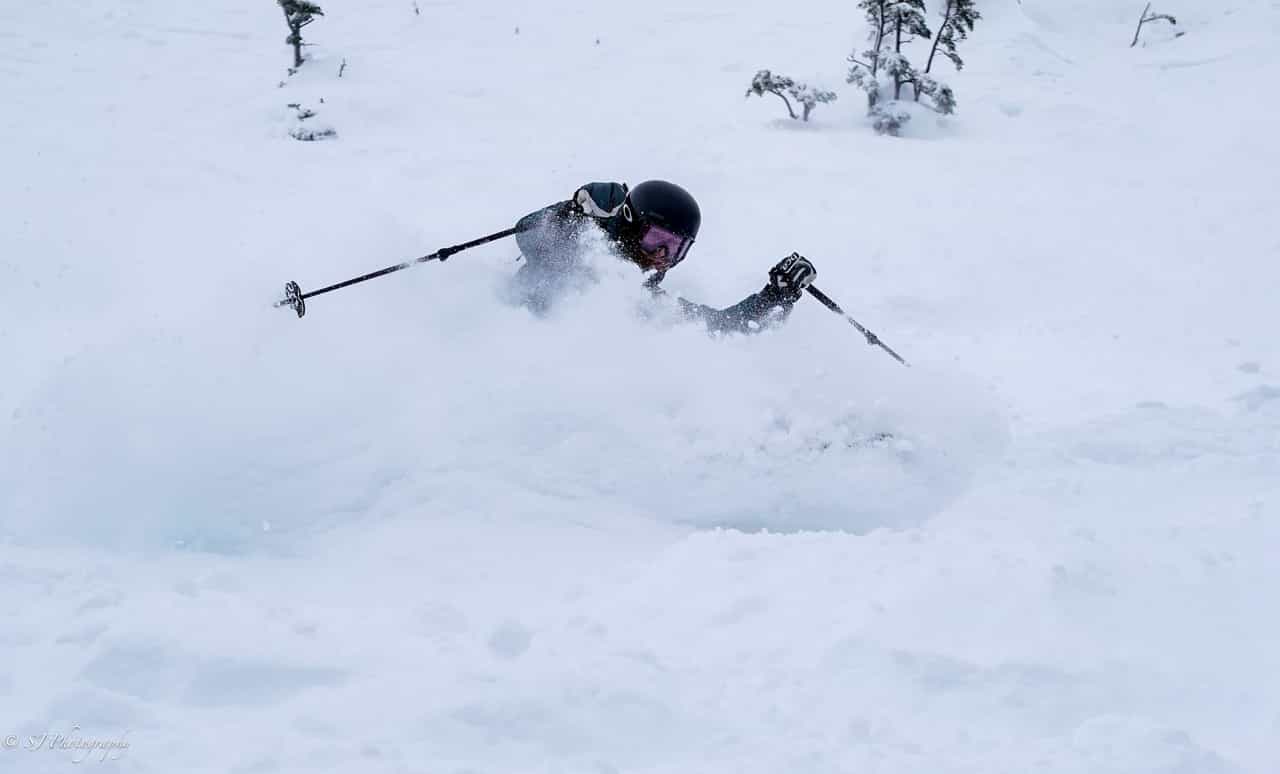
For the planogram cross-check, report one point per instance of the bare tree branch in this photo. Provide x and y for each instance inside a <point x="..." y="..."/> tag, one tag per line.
<point x="1147" y="16"/>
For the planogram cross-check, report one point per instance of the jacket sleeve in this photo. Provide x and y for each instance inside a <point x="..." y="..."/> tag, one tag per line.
<point x="543" y="234"/>
<point x="752" y="314"/>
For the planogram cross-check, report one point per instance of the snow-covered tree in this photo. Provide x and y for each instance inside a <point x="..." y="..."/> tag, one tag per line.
<point x="939" y="93"/>
<point x="900" y="72"/>
<point x="298" y="14"/>
<point x="806" y="96"/>
<point x="958" y="18"/>
<point x="892" y="24"/>
<point x="877" y="13"/>
<point x="906" y="23"/>
<point x="884" y="69"/>
<point x="809" y="97"/>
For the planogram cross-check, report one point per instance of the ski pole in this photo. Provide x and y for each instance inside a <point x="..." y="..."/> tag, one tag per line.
<point x="295" y="298"/>
<point x="871" y="337"/>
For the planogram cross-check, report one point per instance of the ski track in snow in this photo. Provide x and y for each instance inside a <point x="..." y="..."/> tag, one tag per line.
<point x="421" y="530"/>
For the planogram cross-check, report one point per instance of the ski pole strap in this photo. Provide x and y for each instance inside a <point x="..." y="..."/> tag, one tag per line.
<point x="871" y="337"/>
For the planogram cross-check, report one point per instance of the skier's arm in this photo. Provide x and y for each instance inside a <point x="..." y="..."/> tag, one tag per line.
<point x="772" y="305"/>
<point x="753" y="313"/>
<point x="543" y="234"/>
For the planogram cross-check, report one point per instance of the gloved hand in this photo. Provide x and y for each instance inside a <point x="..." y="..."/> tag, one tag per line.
<point x="600" y="200"/>
<point x="792" y="275"/>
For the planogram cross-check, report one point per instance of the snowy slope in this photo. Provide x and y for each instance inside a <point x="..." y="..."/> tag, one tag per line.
<point x="421" y="530"/>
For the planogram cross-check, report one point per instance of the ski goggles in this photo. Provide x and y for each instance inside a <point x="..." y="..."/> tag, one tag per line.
<point x="664" y="248"/>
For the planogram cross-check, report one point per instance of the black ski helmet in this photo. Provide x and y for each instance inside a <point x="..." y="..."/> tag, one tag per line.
<point x="659" y="222"/>
<point x="657" y="202"/>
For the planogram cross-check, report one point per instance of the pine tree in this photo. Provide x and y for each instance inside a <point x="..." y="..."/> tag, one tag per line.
<point x="298" y="14"/>
<point x="878" y="17"/>
<point x="877" y="12"/>
<point x="893" y="25"/>
<point x="907" y="17"/>
<point x="958" y="18"/>
<point x="906" y="23"/>
<point x="864" y="72"/>
<point x="808" y="97"/>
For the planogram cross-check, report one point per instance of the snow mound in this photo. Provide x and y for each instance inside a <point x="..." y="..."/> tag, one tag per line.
<point x="201" y="438"/>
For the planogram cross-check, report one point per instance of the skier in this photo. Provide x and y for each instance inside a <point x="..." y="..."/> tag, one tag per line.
<point x="653" y="226"/>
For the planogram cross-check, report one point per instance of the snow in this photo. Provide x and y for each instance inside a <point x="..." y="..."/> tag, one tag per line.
<point x="422" y="530"/>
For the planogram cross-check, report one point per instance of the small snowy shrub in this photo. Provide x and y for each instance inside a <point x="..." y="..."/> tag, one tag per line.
<point x="807" y="97"/>
<point x="309" y="132"/>
<point x="884" y="71"/>
<point x="298" y="14"/>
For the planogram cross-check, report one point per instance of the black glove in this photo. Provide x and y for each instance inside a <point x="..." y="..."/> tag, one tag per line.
<point x="792" y="275"/>
<point x="600" y="200"/>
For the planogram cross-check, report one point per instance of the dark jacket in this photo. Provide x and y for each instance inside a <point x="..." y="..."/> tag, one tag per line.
<point x="549" y="242"/>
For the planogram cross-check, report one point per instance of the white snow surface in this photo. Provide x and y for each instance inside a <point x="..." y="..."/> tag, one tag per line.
<point x="422" y="530"/>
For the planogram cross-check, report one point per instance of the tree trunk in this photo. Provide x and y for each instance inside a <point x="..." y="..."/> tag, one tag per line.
<point x="783" y="97"/>
<point x="295" y="37"/>
<point x="946" y="19"/>
<point x="897" y="49"/>
<point x="875" y="58"/>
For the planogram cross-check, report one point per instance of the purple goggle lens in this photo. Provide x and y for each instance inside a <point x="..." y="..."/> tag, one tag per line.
<point x="664" y="247"/>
